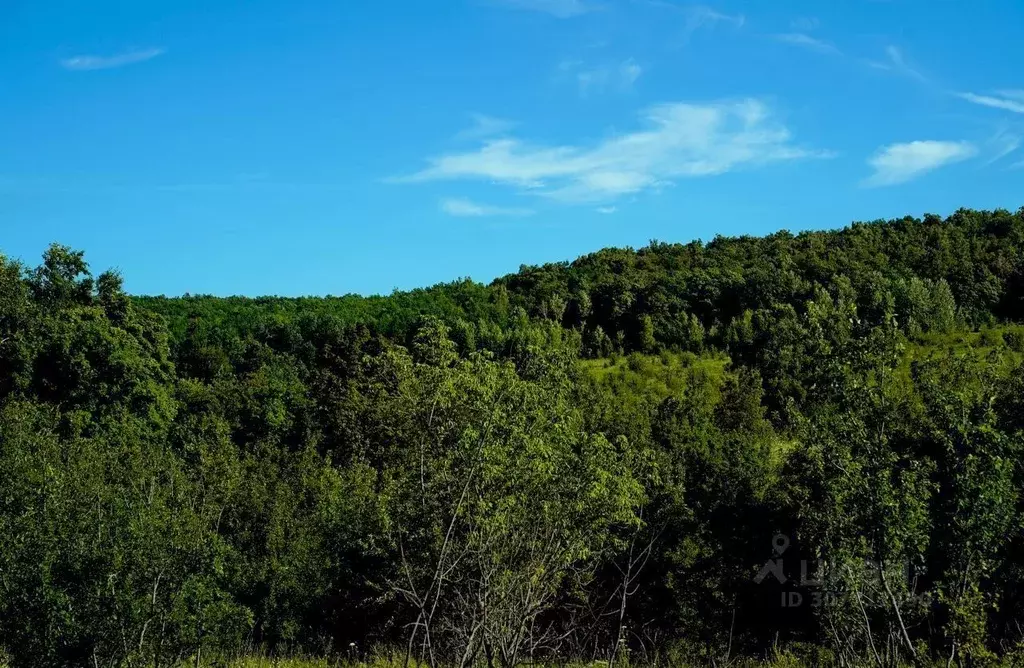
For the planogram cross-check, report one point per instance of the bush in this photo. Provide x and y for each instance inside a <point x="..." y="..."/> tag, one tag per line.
<point x="991" y="338"/>
<point x="1015" y="339"/>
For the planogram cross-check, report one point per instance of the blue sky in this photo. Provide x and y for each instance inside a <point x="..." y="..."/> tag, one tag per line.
<point x="328" y="147"/>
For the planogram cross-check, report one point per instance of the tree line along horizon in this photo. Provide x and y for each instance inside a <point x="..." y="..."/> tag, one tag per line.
<point x="585" y="461"/>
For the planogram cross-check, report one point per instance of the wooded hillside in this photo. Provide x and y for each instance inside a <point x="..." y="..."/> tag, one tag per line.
<point x="805" y="443"/>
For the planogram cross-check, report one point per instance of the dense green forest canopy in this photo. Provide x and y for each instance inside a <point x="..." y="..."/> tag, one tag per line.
<point x="976" y="252"/>
<point x="794" y="445"/>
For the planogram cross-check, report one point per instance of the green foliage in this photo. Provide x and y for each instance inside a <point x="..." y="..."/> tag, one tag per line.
<point x="590" y="461"/>
<point x="1014" y="338"/>
<point x="497" y="497"/>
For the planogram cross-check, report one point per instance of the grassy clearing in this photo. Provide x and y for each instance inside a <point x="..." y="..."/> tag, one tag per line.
<point x="658" y="376"/>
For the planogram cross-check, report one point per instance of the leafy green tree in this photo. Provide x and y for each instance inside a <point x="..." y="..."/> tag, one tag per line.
<point x="975" y="514"/>
<point x="498" y="499"/>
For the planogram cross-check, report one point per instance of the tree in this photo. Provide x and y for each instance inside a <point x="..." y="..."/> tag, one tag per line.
<point x="976" y="513"/>
<point x="647" y="341"/>
<point x="499" y="498"/>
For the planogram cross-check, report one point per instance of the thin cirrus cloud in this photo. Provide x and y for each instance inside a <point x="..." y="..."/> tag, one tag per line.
<point x="629" y="72"/>
<point x="899" y="163"/>
<point x="618" y="77"/>
<point x="897" y="63"/>
<point x="562" y="9"/>
<point x="695" y="17"/>
<point x="1007" y="100"/>
<point x="1002" y="144"/>
<point x="85" y="63"/>
<point x="466" y="208"/>
<point x="699" y="16"/>
<point x="680" y="140"/>
<point x="485" y="126"/>
<point x="805" y="41"/>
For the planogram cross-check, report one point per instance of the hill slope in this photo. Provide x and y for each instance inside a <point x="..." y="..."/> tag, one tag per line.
<point x="811" y="444"/>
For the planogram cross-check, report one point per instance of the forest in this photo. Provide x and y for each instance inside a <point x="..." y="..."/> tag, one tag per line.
<point x="792" y="450"/>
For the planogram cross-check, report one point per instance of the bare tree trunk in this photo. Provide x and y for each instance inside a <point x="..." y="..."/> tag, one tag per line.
<point x="867" y="622"/>
<point x="732" y="627"/>
<point x="896" y="609"/>
<point x="635" y="564"/>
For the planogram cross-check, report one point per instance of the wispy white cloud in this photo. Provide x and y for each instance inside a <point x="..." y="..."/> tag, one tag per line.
<point x="1008" y="100"/>
<point x="696" y="17"/>
<point x="899" y="163"/>
<point x="804" y="24"/>
<point x="699" y="16"/>
<point x="900" y="63"/>
<point x="1002" y="144"/>
<point x="82" y="63"/>
<point x="806" y="41"/>
<point x="562" y="9"/>
<point x="607" y="210"/>
<point x="629" y="72"/>
<point x="897" y="63"/>
<point x="615" y="77"/>
<point x="485" y="126"/>
<point x="681" y="140"/>
<point x="465" y="208"/>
